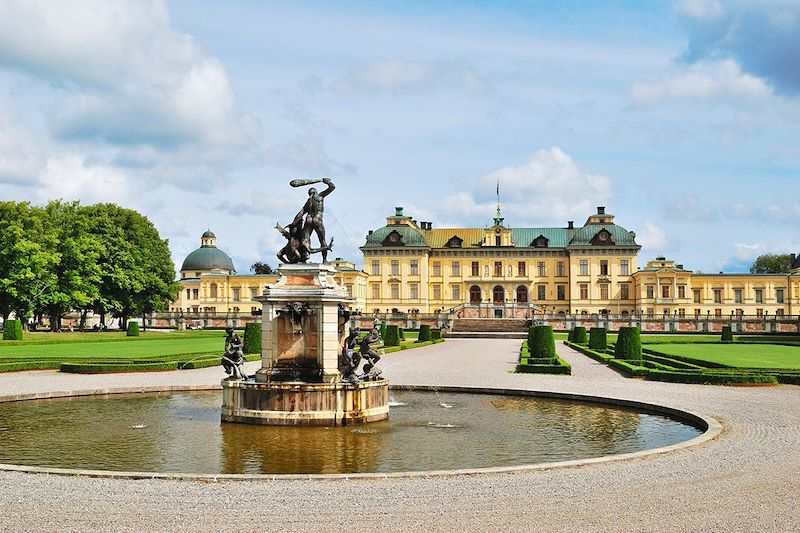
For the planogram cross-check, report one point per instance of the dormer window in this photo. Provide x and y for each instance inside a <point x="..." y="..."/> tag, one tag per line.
<point x="394" y="239"/>
<point x="454" y="242"/>
<point x="603" y="237"/>
<point x="540" y="242"/>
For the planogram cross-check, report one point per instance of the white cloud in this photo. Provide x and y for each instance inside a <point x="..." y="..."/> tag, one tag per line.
<point x="699" y="9"/>
<point x="550" y="186"/>
<point x="653" y="239"/>
<point x="702" y="82"/>
<point x="125" y="75"/>
<point x="20" y="160"/>
<point x="72" y="177"/>
<point x="403" y="75"/>
<point x="689" y="207"/>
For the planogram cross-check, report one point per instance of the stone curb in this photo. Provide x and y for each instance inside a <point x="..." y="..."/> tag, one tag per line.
<point x="710" y="426"/>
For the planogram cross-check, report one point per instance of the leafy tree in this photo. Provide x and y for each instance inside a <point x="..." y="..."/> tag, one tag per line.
<point x="261" y="268"/>
<point x="771" y="264"/>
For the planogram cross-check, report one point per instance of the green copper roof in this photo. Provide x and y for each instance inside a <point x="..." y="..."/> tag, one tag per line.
<point x="620" y="236"/>
<point x="556" y="237"/>
<point x="409" y="236"/>
<point x="208" y="258"/>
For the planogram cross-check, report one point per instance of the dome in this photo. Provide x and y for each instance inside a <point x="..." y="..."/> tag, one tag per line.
<point x="208" y="257"/>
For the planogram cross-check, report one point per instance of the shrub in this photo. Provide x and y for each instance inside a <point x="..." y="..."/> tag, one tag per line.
<point x="727" y="334"/>
<point x="252" y="338"/>
<point x="133" y="329"/>
<point x="578" y="335"/>
<point x="597" y="339"/>
<point x="629" y="344"/>
<point x="402" y="334"/>
<point x="382" y="329"/>
<point x="392" y="336"/>
<point x="712" y="379"/>
<point x="541" y="342"/>
<point x="12" y="330"/>
<point x="425" y="333"/>
<point x="436" y="334"/>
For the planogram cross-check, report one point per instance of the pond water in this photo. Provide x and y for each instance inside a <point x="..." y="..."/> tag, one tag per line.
<point x="182" y="432"/>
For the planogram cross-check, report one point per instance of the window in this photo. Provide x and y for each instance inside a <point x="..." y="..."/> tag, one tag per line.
<point x="521" y="268"/>
<point x="437" y="292"/>
<point x="541" y="268"/>
<point x="395" y="267"/>
<point x="603" y="267"/>
<point x="498" y="268"/>
<point x="560" y="269"/>
<point x="584" y="291"/>
<point x="665" y="291"/>
<point x="717" y="296"/>
<point x="718" y="313"/>
<point x="681" y="312"/>
<point x="759" y="296"/>
<point x="395" y="287"/>
<point x="759" y="312"/>
<point x="651" y="291"/>
<point x="624" y="291"/>
<point x="413" y="291"/>
<point x="561" y="292"/>
<point x="455" y="292"/>
<point x="681" y="291"/>
<point x="413" y="268"/>
<point x="779" y="295"/>
<point x="476" y="269"/>
<point x="779" y="312"/>
<point x="195" y="294"/>
<point x="696" y="313"/>
<point x="455" y="269"/>
<point x="213" y="290"/>
<point x="474" y="294"/>
<point x="376" y="292"/>
<point x="737" y="296"/>
<point x="253" y="293"/>
<point x="624" y="267"/>
<point x="437" y="268"/>
<point x="376" y="267"/>
<point x="604" y="292"/>
<point x="522" y="294"/>
<point x="650" y="312"/>
<point x="188" y="293"/>
<point x="237" y="296"/>
<point x="740" y="313"/>
<point x="696" y="295"/>
<point x="584" y="267"/>
<point x="349" y="287"/>
<point x="541" y="291"/>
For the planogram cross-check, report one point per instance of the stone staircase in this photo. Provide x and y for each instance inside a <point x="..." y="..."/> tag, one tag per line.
<point x="488" y="328"/>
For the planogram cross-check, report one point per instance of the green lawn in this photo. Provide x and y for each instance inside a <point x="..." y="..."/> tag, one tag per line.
<point x="738" y="355"/>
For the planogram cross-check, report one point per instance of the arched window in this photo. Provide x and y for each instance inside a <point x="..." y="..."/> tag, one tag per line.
<point x="498" y="295"/>
<point x="522" y="294"/>
<point x="213" y="290"/>
<point x="474" y="294"/>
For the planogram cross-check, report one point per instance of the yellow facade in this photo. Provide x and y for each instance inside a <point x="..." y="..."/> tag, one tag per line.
<point x="592" y="269"/>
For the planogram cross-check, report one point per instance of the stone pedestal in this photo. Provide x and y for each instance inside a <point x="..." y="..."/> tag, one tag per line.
<point x="304" y="322"/>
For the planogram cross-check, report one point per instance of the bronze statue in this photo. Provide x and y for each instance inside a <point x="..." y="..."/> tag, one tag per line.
<point x="309" y="220"/>
<point x="233" y="358"/>
<point x="369" y="353"/>
<point x="350" y="359"/>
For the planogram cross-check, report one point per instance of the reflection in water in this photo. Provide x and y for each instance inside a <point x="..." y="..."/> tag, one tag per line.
<point x="182" y="433"/>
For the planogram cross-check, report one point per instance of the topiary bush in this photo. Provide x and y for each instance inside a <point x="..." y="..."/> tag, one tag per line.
<point x="541" y="342"/>
<point x="382" y="329"/>
<point x="578" y="335"/>
<point x="133" y="329"/>
<point x="597" y="339"/>
<point x="392" y="336"/>
<point x="252" y="338"/>
<point x="12" y="330"/>
<point x="727" y="334"/>
<point x="424" y="333"/>
<point x="629" y="344"/>
<point x="436" y="334"/>
<point x="402" y="333"/>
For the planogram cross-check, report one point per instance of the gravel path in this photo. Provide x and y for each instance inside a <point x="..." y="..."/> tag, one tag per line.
<point x="745" y="480"/>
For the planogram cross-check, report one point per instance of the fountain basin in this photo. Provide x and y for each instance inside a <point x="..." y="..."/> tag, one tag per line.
<point x="304" y="404"/>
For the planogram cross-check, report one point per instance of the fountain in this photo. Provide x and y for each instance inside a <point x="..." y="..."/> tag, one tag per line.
<point x="308" y="376"/>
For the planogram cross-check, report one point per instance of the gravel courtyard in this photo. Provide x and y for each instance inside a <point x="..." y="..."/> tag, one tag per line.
<point x="747" y="479"/>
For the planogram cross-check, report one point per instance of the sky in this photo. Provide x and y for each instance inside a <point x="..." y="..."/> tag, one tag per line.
<point x="682" y="118"/>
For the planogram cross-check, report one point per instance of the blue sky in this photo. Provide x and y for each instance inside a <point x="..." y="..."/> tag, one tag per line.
<point x="682" y="118"/>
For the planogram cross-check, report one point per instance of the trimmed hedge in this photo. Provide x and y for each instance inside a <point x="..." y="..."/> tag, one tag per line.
<point x="98" y="368"/>
<point x="578" y="335"/>
<point x="727" y="334"/>
<point x="712" y="379"/>
<point x="382" y="329"/>
<point x="629" y="344"/>
<point x="424" y="333"/>
<point x="541" y="342"/>
<point x="436" y="334"/>
<point x="133" y="329"/>
<point x="392" y="336"/>
<point x="402" y="333"/>
<point x="252" y="338"/>
<point x="597" y="339"/>
<point x="12" y="330"/>
<point x="629" y="368"/>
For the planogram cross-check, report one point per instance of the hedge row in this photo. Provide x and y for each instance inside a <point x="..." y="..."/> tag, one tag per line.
<point x="410" y="345"/>
<point x="252" y="338"/>
<point x="424" y="333"/>
<point x="12" y="330"/>
<point x="540" y="360"/>
<point x="711" y="378"/>
<point x="578" y="335"/>
<point x="598" y="339"/>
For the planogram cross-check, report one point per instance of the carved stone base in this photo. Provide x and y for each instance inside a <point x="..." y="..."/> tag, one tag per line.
<point x="305" y="404"/>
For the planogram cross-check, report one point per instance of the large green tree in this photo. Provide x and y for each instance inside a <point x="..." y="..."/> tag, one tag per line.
<point x="771" y="264"/>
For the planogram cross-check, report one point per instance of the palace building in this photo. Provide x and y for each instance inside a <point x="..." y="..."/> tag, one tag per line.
<point x="498" y="272"/>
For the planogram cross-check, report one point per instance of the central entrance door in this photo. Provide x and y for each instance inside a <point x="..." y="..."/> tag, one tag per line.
<point x="498" y="295"/>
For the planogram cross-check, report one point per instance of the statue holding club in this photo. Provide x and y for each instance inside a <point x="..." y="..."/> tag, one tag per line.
<point x="307" y="221"/>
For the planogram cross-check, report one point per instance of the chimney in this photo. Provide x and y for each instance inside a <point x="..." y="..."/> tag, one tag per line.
<point x="601" y="210"/>
<point x="570" y="224"/>
<point x="792" y="259"/>
<point x="398" y="211"/>
<point x="679" y="267"/>
<point x="369" y="233"/>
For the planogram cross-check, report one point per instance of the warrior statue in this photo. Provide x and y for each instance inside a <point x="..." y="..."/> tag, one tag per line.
<point x="307" y="221"/>
<point x="233" y="358"/>
<point x="367" y="352"/>
<point x="350" y="359"/>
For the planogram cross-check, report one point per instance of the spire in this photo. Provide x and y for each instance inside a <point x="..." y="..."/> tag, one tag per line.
<point x="498" y="219"/>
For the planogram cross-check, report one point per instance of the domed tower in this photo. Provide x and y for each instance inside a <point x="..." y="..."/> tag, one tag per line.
<point x="207" y="259"/>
